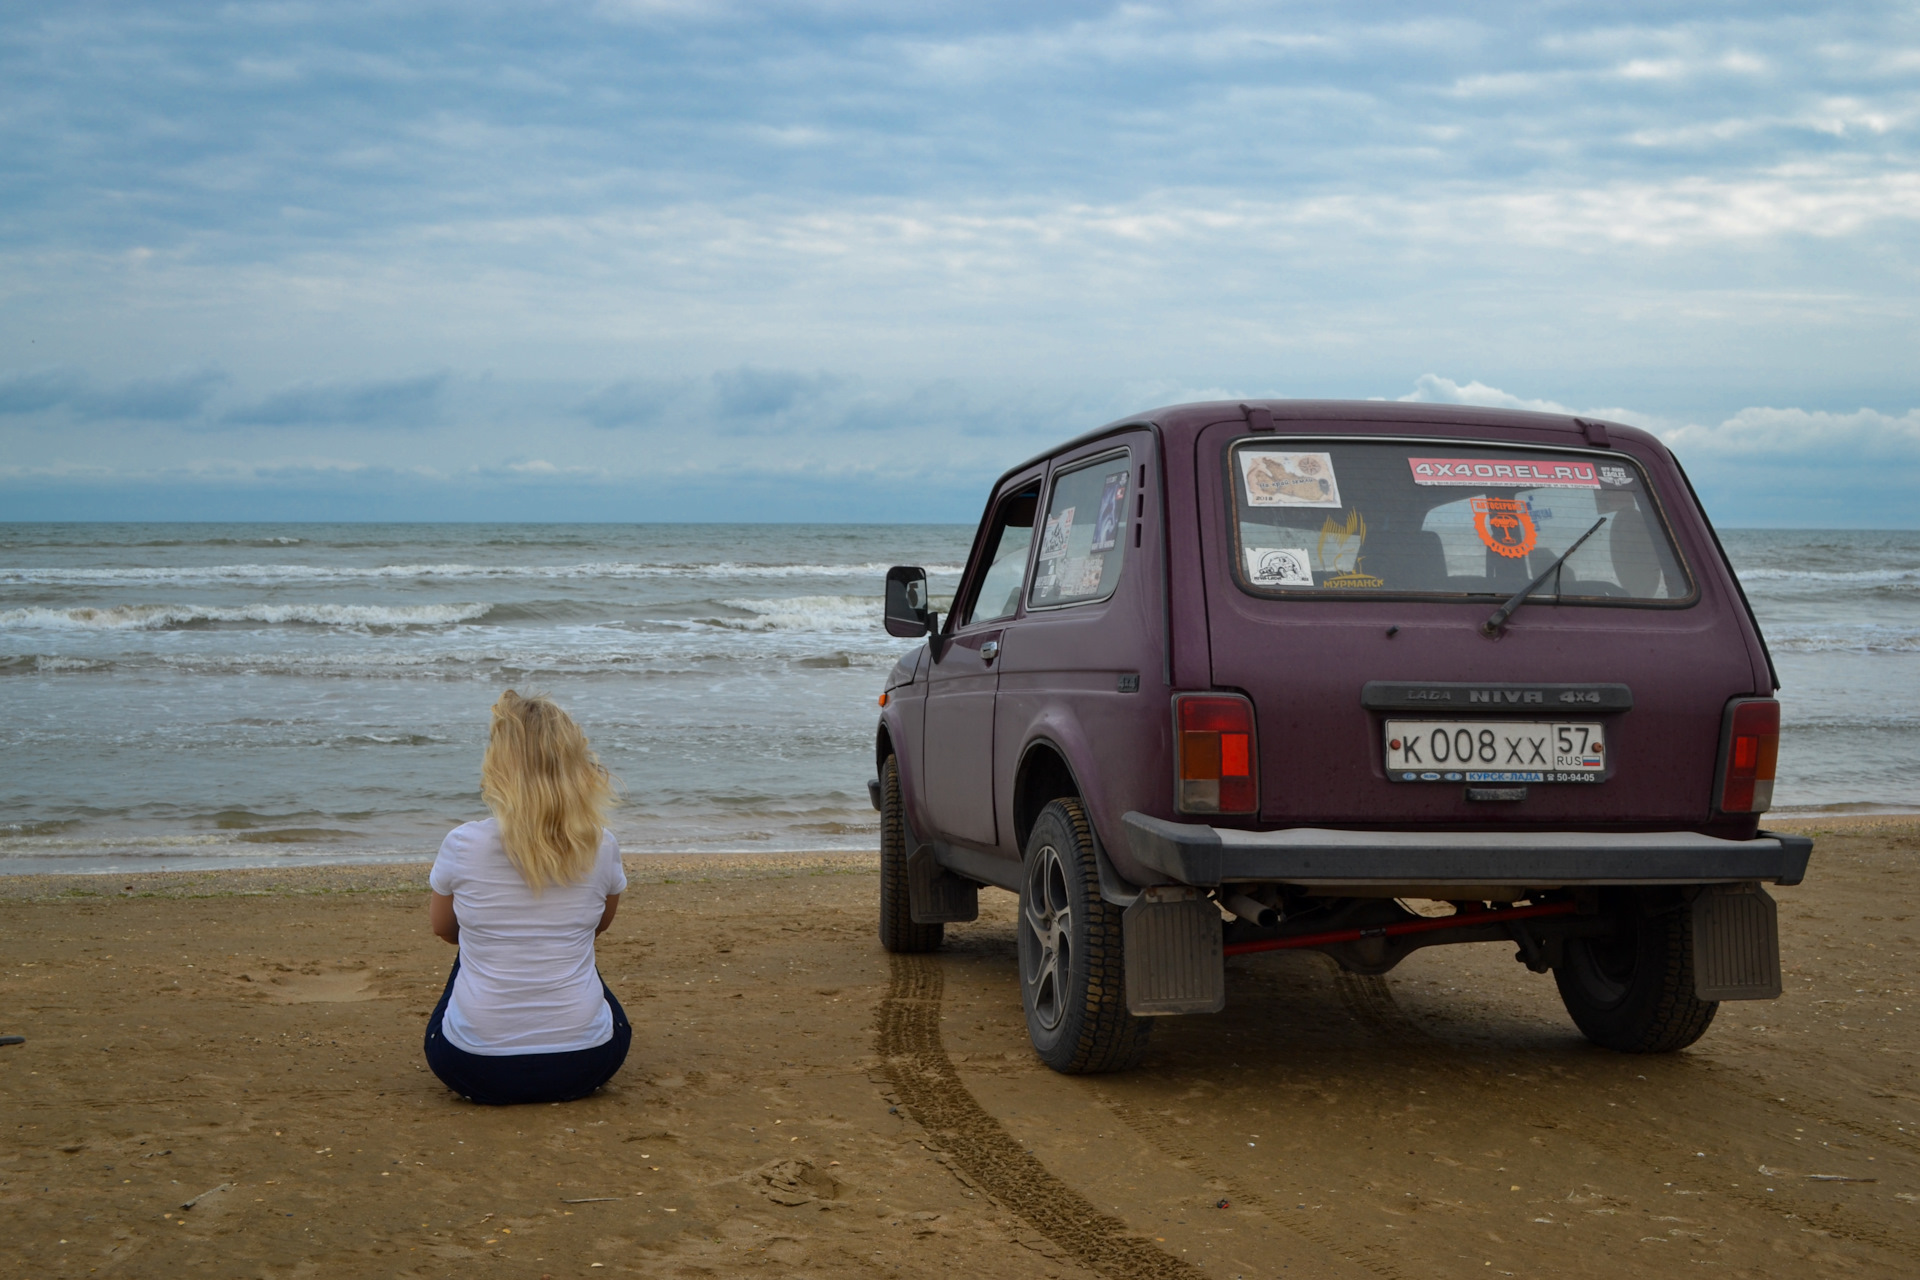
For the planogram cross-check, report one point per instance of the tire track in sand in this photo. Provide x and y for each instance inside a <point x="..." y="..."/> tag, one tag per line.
<point x="914" y="1062"/>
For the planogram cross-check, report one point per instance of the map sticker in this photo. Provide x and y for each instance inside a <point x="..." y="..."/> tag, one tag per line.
<point x="1571" y="474"/>
<point x="1276" y="567"/>
<point x="1289" y="479"/>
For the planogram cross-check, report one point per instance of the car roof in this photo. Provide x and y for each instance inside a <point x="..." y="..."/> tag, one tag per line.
<point x="1179" y="423"/>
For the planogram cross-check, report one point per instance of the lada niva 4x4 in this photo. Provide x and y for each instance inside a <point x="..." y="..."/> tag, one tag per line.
<point x="1356" y="677"/>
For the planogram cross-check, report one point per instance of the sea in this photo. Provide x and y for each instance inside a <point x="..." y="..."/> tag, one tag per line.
<point x="181" y="696"/>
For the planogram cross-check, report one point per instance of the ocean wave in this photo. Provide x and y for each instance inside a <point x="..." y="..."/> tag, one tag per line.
<point x="1864" y="638"/>
<point x="158" y="617"/>
<point x="16" y="664"/>
<point x="281" y="573"/>
<point x="702" y="655"/>
<point x="803" y="613"/>
<point x="1835" y="577"/>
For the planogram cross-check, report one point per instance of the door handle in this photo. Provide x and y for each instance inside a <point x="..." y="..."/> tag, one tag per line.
<point x="989" y="651"/>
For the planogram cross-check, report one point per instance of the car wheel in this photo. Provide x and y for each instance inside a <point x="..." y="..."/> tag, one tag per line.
<point x="898" y="932"/>
<point x="1072" y="970"/>
<point x="1633" y="991"/>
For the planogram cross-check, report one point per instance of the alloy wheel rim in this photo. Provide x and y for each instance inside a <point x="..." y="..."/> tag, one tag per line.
<point x="1046" y="914"/>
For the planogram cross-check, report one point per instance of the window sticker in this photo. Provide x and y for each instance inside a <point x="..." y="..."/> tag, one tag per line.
<point x="1279" y="567"/>
<point x="1289" y="479"/>
<point x="1617" y="477"/>
<point x="1081" y="575"/>
<point x="1113" y="508"/>
<point x="1346" y="539"/>
<point x="1353" y="578"/>
<point x="1059" y="529"/>
<point x="1505" y="525"/>
<point x="1571" y="474"/>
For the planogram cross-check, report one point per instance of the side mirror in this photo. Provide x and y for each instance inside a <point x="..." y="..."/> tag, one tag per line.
<point x="907" y="614"/>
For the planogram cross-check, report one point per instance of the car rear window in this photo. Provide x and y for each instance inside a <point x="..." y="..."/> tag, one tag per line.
<point x="1432" y="517"/>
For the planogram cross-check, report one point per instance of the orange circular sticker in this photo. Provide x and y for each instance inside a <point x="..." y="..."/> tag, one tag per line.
<point x="1505" y="525"/>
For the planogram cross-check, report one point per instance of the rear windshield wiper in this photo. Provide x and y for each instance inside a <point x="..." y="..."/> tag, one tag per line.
<point x="1493" y="624"/>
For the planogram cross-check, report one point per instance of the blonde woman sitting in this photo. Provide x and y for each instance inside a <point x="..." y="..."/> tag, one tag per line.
<point x="525" y="1016"/>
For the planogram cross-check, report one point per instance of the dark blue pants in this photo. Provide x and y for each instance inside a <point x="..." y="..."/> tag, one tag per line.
<point x="499" y="1080"/>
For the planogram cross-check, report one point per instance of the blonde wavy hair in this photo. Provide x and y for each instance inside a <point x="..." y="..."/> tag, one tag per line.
<point x="546" y="787"/>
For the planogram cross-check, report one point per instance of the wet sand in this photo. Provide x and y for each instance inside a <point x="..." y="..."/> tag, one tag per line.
<point x="799" y="1103"/>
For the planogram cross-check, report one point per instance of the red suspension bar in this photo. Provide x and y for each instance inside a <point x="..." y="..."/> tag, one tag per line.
<point x="1458" y="921"/>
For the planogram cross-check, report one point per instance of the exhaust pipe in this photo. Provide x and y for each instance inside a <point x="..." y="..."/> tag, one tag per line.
<point x="1250" y="909"/>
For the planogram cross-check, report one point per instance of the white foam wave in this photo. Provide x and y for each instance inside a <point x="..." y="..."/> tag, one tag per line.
<point x="280" y="573"/>
<point x="45" y="662"/>
<point x="156" y="617"/>
<point x="1848" y="577"/>
<point x="805" y="613"/>
<point x="1840" y="639"/>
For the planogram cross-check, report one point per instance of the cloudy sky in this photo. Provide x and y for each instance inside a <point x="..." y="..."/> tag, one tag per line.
<point x="674" y="259"/>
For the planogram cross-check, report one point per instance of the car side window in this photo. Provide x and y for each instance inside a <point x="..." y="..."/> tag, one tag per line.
<point x="1010" y="537"/>
<point x="1084" y="540"/>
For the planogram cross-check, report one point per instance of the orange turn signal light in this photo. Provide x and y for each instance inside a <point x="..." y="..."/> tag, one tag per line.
<point x="1216" y="757"/>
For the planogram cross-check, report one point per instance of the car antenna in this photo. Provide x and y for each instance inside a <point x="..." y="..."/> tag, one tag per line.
<point x="1493" y="624"/>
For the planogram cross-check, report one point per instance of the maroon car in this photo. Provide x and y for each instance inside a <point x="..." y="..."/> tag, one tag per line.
<point x="1356" y="677"/>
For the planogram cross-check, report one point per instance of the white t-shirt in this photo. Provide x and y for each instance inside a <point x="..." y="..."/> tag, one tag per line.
<point x="527" y="982"/>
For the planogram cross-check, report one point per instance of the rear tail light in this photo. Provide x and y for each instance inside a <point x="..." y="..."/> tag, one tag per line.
<point x="1215" y="754"/>
<point x="1749" y="750"/>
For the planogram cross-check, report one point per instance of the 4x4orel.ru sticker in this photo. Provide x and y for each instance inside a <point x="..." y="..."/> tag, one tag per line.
<point x="1504" y="471"/>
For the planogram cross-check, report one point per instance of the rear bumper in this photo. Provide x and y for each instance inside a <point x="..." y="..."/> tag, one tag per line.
<point x="1312" y="857"/>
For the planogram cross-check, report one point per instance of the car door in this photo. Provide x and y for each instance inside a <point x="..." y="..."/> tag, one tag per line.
<point x="963" y="678"/>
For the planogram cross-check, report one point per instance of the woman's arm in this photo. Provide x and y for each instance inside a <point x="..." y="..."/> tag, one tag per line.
<point x="446" y="926"/>
<point x="606" y="917"/>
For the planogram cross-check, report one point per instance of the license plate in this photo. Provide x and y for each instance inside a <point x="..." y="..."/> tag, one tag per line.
<point x="1495" y="751"/>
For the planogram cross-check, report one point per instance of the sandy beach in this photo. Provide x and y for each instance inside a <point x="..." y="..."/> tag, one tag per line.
<point x="799" y="1103"/>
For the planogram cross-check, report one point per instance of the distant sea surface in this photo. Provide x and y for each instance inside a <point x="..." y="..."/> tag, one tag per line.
<point x="188" y="696"/>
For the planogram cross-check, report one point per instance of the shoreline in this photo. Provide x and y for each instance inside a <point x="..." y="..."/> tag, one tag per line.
<point x="642" y="868"/>
<point x="399" y="877"/>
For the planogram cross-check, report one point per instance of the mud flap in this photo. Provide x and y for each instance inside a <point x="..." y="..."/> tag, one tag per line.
<point x="936" y="895"/>
<point x="1736" y="943"/>
<point x="1171" y="937"/>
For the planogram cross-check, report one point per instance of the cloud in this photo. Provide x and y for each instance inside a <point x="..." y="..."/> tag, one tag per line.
<point x="401" y="402"/>
<point x="39" y="391"/>
<point x="167" y="399"/>
<point x="631" y="402"/>
<point x="1796" y="437"/>
<point x="765" y="393"/>
<point x="873" y="237"/>
<point x="172" y="399"/>
<point x="1432" y="389"/>
<point x="1804" y="438"/>
<point x="1752" y="466"/>
<point x="748" y="399"/>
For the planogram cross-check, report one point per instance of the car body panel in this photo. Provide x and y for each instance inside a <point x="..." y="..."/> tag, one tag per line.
<point x="1179" y="621"/>
<point x="1304" y="662"/>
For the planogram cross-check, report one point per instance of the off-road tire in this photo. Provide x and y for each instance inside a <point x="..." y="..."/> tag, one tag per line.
<point x="1076" y="1002"/>
<point x="1634" y="992"/>
<point x="898" y="932"/>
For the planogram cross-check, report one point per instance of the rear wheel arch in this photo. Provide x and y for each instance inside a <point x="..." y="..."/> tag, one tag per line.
<point x="1042" y="777"/>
